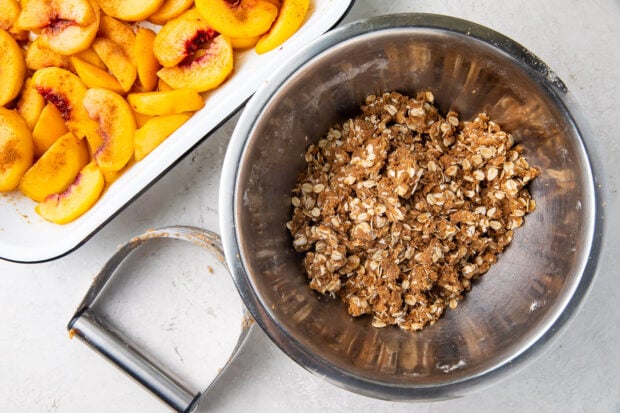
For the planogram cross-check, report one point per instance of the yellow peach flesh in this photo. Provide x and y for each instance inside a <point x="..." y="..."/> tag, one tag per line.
<point x="16" y="149"/>
<point x="78" y="198"/>
<point x="116" y="127"/>
<point x="66" y="91"/>
<point x="289" y="20"/>
<point x="146" y="63"/>
<point x="30" y="104"/>
<point x="49" y="127"/>
<point x="131" y="10"/>
<point x="12" y="69"/>
<point x="117" y="62"/>
<point x="170" y="10"/>
<point x="166" y="102"/>
<point x="205" y="71"/>
<point x="242" y="18"/>
<point x="95" y="77"/>
<point x="55" y="170"/>
<point x="155" y="131"/>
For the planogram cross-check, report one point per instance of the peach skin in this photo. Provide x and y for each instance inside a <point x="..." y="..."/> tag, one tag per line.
<point x="16" y="149"/>
<point x="78" y="198"/>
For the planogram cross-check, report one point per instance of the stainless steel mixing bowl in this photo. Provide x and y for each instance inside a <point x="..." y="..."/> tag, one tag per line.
<point x="515" y="309"/>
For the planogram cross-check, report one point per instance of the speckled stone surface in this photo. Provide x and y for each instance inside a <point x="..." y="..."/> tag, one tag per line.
<point x="41" y="370"/>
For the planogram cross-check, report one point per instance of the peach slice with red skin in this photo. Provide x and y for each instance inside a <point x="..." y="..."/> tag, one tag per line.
<point x="16" y="149"/>
<point x="56" y="169"/>
<point x="290" y="18"/>
<point x="155" y="131"/>
<point x="131" y="10"/>
<point x="65" y="26"/>
<point x="207" y="69"/>
<point x="116" y="128"/>
<point x="146" y="63"/>
<point x="166" y="102"/>
<point x="194" y="56"/>
<point x="169" y="10"/>
<point x="78" y="198"/>
<point x="180" y="37"/>
<point x="12" y="69"/>
<point x="66" y="91"/>
<point x="49" y="127"/>
<point x="238" y="18"/>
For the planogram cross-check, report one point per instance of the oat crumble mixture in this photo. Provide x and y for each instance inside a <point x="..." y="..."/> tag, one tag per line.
<point x="400" y="208"/>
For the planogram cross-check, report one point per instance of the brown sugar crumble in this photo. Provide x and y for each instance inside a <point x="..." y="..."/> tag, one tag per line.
<point x="400" y="208"/>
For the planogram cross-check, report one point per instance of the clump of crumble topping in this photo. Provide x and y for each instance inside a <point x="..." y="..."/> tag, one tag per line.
<point x="400" y="208"/>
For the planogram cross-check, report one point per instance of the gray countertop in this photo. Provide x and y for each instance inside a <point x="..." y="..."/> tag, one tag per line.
<point x="41" y="370"/>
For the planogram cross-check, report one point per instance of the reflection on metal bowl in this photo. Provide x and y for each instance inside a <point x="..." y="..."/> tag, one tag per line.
<point x="515" y="309"/>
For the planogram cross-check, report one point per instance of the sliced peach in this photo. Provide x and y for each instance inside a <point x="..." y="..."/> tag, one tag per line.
<point x="93" y="76"/>
<point x="91" y="57"/>
<point x="243" y="42"/>
<point x="10" y="13"/>
<point x="66" y="91"/>
<point x="170" y="10"/>
<point x="155" y="131"/>
<point x="167" y="102"/>
<point x="207" y="69"/>
<point x="118" y="32"/>
<point x="39" y="56"/>
<point x="116" y="60"/>
<point x="56" y="169"/>
<point x="290" y="18"/>
<point x="239" y="18"/>
<point x="30" y="104"/>
<point x="78" y="198"/>
<point x="163" y="86"/>
<point x="140" y="118"/>
<point x="49" y="127"/>
<point x="131" y="10"/>
<point x="181" y="37"/>
<point x="12" y="69"/>
<point x="16" y="149"/>
<point x="66" y="27"/>
<point x="193" y="55"/>
<point x="116" y="127"/>
<point x="146" y="63"/>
